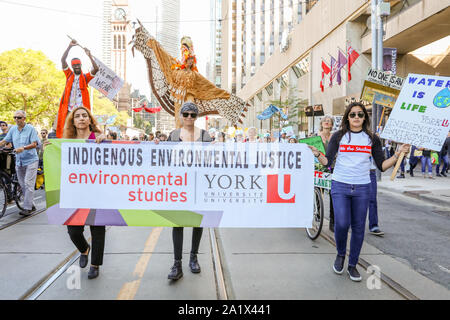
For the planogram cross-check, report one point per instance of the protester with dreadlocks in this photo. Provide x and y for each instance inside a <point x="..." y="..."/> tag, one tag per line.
<point x="76" y="92"/>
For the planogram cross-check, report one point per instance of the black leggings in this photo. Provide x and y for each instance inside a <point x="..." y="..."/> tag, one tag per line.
<point x="177" y="236"/>
<point x="98" y="241"/>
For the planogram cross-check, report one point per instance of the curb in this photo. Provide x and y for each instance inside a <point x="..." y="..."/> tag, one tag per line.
<point x="424" y="197"/>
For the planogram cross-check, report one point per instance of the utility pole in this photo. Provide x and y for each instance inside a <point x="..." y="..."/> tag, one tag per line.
<point x="373" y="24"/>
<point x="377" y="56"/>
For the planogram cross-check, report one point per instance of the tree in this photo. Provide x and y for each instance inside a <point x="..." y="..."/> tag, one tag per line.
<point x="293" y="107"/>
<point x="140" y="123"/>
<point x="31" y="82"/>
<point x="103" y="105"/>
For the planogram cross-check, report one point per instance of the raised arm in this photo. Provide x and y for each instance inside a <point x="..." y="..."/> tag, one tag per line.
<point x="94" y="64"/>
<point x="66" y="53"/>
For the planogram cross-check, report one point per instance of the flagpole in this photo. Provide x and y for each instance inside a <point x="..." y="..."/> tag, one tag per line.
<point x="345" y="54"/>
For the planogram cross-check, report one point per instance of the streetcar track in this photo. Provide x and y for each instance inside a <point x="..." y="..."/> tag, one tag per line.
<point x="3" y="227"/>
<point x="223" y="286"/>
<point x="398" y="288"/>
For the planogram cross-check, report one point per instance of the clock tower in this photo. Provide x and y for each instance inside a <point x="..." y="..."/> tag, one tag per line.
<point x="119" y="37"/>
<point x="117" y="14"/>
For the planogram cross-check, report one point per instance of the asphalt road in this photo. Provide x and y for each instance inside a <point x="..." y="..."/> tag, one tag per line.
<point x="416" y="232"/>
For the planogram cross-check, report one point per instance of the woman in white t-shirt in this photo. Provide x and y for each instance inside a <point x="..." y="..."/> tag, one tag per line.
<point x="353" y="146"/>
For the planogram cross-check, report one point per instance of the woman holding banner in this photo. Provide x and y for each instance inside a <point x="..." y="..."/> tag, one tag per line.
<point x="80" y="124"/>
<point x="187" y="133"/>
<point x="353" y="146"/>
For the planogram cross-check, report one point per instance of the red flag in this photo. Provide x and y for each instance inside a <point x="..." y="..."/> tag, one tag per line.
<point x="325" y="70"/>
<point x="352" y="56"/>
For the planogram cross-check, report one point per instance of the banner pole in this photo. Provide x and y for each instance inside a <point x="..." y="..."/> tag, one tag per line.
<point x="397" y="165"/>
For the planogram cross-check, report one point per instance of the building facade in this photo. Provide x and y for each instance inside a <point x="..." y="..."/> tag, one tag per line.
<point x="116" y="34"/>
<point x="273" y="50"/>
<point x="168" y="34"/>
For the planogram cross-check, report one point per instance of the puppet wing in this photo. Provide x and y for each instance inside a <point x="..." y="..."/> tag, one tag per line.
<point x="209" y="98"/>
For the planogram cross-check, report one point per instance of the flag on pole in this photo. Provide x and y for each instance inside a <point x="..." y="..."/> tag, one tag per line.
<point x="325" y="70"/>
<point x="352" y="56"/>
<point x="342" y="61"/>
<point x="334" y="69"/>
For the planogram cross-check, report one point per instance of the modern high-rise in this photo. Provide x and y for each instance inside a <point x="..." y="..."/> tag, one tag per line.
<point x="167" y="28"/>
<point x="215" y="62"/>
<point x="250" y="31"/>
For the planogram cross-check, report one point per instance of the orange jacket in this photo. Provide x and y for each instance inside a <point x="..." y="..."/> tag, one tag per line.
<point x="64" y="103"/>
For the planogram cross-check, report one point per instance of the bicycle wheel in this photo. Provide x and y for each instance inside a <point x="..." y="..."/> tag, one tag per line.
<point x="3" y="200"/>
<point x="18" y="196"/>
<point x="317" y="222"/>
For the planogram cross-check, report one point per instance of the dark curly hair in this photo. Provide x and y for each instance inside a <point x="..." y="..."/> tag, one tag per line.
<point x="345" y="124"/>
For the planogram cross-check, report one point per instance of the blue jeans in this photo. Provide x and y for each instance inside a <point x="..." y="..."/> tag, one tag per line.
<point x="350" y="202"/>
<point x="443" y="158"/>
<point x="373" y="207"/>
<point x="426" y="162"/>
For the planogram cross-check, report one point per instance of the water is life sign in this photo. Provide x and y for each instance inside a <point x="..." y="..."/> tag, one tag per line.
<point x="421" y="115"/>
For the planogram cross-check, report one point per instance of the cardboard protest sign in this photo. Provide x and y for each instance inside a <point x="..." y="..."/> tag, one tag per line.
<point x="421" y="115"/>
<point x="315" y="142"/>
<point x="179" y="184"/>
<point x="336" y="123"/>
<point x="106" y="81"/>
<point x="322" y="179"/>
<point x="386" y="79"/>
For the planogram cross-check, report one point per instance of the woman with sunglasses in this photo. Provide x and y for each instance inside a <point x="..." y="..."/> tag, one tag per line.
<point x="353" y="146"/>
<point x="187" y="133"/>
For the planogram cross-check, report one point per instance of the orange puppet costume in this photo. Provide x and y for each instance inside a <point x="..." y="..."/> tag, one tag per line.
<point x="84" y="80"/>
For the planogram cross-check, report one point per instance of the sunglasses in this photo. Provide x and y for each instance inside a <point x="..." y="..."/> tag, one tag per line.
<point x="18" y="118"/>
<point x="353" y="114"/>
<point x="186" y="114"/>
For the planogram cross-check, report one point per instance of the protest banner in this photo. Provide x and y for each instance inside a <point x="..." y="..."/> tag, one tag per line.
<point x="106" y="81"/>
<point x="322" y="179"/>
<point x="315" y="142"/>
<point x="179" y="184"/>
<point x="421" y="115"/>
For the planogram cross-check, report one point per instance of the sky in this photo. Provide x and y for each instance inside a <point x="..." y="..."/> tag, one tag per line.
<point x="44" y="25"/>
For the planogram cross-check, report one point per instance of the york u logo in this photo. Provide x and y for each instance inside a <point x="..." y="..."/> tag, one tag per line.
<point x="279" y="191"/>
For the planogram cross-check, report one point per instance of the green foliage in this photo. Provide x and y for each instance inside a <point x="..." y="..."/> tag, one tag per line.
<point x="291" y="106"/>
<point x="103" y="105"/>
<point x="31" y="82"/>
<point x="142" y="124"/>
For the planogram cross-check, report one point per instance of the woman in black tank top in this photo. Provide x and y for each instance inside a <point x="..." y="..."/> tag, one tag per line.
<point x="187" y="133"/>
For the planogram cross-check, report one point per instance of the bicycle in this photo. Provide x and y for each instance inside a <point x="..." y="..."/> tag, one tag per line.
<point x="9" y="185"/>
<point x="318" y="215"/>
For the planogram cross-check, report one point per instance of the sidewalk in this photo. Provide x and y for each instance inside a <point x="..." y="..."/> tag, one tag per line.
<point x="436" y="190"/>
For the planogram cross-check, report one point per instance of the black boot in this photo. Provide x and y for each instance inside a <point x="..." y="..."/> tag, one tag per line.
<point x="176" y="272"/>
<point x="193" y="263"/>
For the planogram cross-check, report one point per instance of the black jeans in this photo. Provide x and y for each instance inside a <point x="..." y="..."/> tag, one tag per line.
<point x="98" y="241"/>
<point x="177" y="236"/>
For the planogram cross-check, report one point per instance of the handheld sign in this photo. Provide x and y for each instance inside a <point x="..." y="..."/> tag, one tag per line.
<point x="315" y="142"/>
<point x="106" y="81"/>
<point x="421" y="115"/>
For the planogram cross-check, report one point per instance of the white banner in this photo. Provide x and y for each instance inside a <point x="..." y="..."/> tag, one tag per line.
<point x="249" y="184"/>
<point x="106" y="81"/>
<point x="421" y="115"/>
